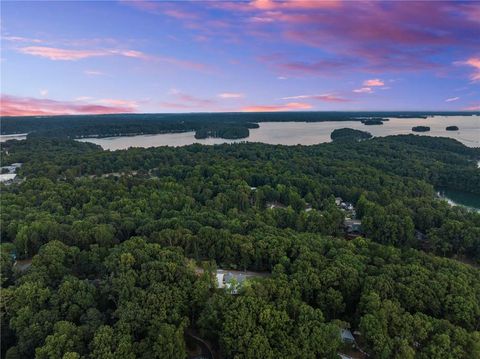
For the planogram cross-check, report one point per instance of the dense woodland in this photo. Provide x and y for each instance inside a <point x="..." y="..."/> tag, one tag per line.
<point x="225" y="125"/>
<point x="116" y="238"/>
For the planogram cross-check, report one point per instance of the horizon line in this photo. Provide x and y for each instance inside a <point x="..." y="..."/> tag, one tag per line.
<point x="242" y="112"/>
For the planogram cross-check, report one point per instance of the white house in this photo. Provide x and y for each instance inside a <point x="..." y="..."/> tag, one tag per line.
<point x="7" y="178"/>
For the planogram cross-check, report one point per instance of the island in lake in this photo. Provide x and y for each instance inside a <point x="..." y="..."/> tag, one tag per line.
<point x="420" y="128"/>
<point x="374" y="121"/>
<point x="451" y="128"/>
<point x="349" y="134"/>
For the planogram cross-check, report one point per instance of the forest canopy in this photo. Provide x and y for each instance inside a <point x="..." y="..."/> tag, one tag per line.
<point x="113" y="254"/>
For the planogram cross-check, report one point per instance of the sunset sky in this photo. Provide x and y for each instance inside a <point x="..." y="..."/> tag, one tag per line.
<point x="66" y="57"/>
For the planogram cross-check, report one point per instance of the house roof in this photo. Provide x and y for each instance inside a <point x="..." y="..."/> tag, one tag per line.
<point x="220" y="280"/>
<point x="7" y="177"/>
<point x="352" y="222"/>
<point x="238" y="277"/>
<point x="347" y="335"/>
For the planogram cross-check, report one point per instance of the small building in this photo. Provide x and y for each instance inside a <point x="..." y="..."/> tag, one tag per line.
<point x="7" y="178"/>
<point x="347" y="336"/>
<point x="308" y="207"/>
<point x="11" y="168"/>
<point x="353" y="227"/>
<point x="347" y="206"/>
<point x="253" y="188"/>
<point x="230" y="280"/>
<point x="338" y="200"/>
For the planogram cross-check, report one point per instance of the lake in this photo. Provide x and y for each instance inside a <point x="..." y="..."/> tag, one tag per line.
<point x="308" y="133"/>
<point x="459" y="198"/>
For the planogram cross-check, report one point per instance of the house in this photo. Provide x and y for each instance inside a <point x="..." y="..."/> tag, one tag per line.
<point x="347" y="336"/>
<point x="338" y="200"/>
<point x="353" y="227"/>
<point x="344" y="356"/>
<point x="230" y="281"/>
<point x="347" y="206"/>
<point x="7" y="178"/>
<point x="11" y="168"/>
<point x="308" y="207"/>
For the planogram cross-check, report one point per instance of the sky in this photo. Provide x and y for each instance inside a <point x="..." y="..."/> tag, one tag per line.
<point x="78" y="57"/>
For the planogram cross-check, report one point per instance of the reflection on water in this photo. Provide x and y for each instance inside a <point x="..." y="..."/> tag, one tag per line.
<point x="309" y="133"/>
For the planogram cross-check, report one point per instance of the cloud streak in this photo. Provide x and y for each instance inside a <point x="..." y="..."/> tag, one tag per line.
<point x="452" y="99"/>
<point x="323" y="98"/>
<point x="28" y="106"/>
<point x="61" y="54"/>
<point x="363" y="90"/>
<point x="277" y="108"/>
<point x="231" y="95"/>
<point x="58" y="54"/>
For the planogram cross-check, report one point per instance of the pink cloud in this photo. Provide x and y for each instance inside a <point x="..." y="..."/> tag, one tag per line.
<point x="374" y="36"/>
<point x="116" y="102"/>
<point x="472" y="108"/>
<point x="373" y="82"/>
<point x="56" y="54"/>
<point x="276" y="108"/>
<point x="370" y="35"/>
<point x="324" y="98"/>
<point x="27" y="106"/>
<point x="269" y="5"/>
<point x="475" y="63"/>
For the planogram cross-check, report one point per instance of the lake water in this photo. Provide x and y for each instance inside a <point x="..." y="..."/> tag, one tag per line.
<point x="459" y="198"/>
<point x="308" y="133"/>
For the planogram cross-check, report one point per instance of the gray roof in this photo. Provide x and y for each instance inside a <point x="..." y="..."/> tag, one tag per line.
<point x="238" y="277"/>
<point x="347" y="335"/>
<point x="352" y="222"/>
